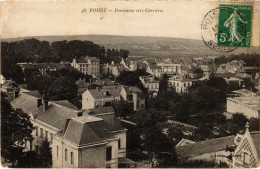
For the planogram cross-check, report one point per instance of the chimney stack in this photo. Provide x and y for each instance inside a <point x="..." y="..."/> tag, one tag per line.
<point x="45" y="105"/>
<point x="39" y="102"/>
<point x="16" y="93"/>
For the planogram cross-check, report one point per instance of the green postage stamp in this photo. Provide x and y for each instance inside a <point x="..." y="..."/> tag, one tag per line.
<point x="235" y="25"/>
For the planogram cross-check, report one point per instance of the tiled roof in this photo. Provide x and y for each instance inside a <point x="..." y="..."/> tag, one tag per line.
<point x="81" y="61"/>
<point x="256" y="139"/>
<point x="101" y="110"/>
<point x="65" y="103"/>
<point x="108" y="114"/>
<point x="34" y="93"/>
<point x="87" y="129"/>
<point x="99" y="94"/>
<point x="56" y="115"/>
<point x="26" y="101"/>
<point x="132" y="89"/>
<point x="203" y="147"/>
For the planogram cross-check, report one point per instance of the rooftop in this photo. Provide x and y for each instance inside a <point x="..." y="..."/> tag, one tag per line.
<point x="203" y="147"/>
<point x="252" y="102"/>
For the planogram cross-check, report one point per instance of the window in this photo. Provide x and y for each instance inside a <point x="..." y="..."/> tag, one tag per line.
<point x="108" y="153"/>
<point x="119" y="144"/>
<point x="41" y="135"/>
<point x="66" y="154"/>
<point x="246" y="159"/>
<point x="51" y="137"/>
<point x="36" y="131"/>
<point x="71" y="158"/>
<point x="184" y="84"/>
<point x="57" y="151"/>
<point x="46" y="135"/>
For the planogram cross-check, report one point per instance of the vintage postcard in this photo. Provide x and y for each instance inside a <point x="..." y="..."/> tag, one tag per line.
<point x="130" y="84"/>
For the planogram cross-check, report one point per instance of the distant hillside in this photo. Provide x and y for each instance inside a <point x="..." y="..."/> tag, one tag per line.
<point x="148" y="46"/>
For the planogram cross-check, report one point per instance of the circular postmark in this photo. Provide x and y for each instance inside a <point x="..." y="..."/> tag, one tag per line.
<point x="213" y="36"/>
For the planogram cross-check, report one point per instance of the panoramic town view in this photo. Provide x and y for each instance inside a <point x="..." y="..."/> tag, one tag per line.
<point x="83" y="86"/>
<point x="78" y="104"/>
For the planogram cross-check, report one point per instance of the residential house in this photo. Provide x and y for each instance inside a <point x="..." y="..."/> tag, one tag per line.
<point x="150" y="84"/>
<point x="154" y="70"/>
<point x="133" y="94"/>
<point x="87" y="65"/>
<point x="93" y="98"/>
<point x="213" y="150"/>
<point x="247" y="152"/>
<point x="243" y="76"/>
<point x="77" y="140"/>
<point x="234" y="82"/>
<point x="43" y="68"/>
<point x="180" y="84"/>
<point x="130" y="65"/>
<point x="247" y="105"/>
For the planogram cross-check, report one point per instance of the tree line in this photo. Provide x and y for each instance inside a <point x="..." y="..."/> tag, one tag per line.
<point x="33" y="50"/>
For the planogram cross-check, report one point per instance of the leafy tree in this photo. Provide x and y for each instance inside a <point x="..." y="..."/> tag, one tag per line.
<point x="123" y="109"/>
<point x="70" y="72"/>
<point x="155" y="142"/>
<point x="16" y="129"/>
<point x="63" y="88"/>
<point x="254" y="124"/>
<point x="163" y="84"/>
<point x="45" y="154"/>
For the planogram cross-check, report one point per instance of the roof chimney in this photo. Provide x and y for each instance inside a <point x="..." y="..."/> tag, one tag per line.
<point x="39" y="102"/>
<point x="247" y="127"/>
<point x="45" y="105"/>
<point x="16" y="93"/>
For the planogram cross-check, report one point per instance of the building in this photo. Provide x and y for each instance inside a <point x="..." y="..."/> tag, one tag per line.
<point x="130" y="65"/>
<point x="247" y="152"/>
<point x="133" y="94"/>
<point x="87" y="65"/>
<point x="180" y="84"/>
<point x="234" y="82"/>
<point x="154" y="70"/>
<point x="247" y="105"/>
<point x="43" y="68"/>
<point x="93" y="98"/>
<point x="78" y="139"/>
<point x="150" y="84"/>
<point x="238" y="151"/>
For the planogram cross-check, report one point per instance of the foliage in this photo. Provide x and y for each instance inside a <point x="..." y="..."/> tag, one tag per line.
<point x="16" y="128"/>
<point x="131" y="78"/>
<point x="156" y="142"/>
<point x="63" y="88"/>
<point x="45" y="154"/>
<point x="70" y="72"/>
<point x="123" y="109"/>
<point x="163" y="84"/>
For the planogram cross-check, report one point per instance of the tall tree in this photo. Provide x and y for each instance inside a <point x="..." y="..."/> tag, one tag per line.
<point x="63" y="88"/>
<point x="163" y="83"/>
<point x="16" y="129"/>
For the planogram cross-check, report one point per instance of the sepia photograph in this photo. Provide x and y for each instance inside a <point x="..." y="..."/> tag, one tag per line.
<point x="130" y="84"/>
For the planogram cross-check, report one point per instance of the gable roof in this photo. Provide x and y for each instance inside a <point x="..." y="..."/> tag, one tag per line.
<point x="99" y="94"/>
<point x="86" y="129"/>
<point x="55" y="115"/>
<point x="132" y="89"/>
<point x="108" y="115"/>
<point x="203" y="147"/>
<point x="65" y="103"/>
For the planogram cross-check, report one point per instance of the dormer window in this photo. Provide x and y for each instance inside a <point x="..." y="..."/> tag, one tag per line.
<point x="246" y="158"/>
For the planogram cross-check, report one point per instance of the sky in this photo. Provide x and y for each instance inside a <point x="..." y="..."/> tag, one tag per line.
<point x="178" y="19"/>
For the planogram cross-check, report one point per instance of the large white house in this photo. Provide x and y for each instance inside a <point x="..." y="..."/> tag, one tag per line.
<point x="88" y="65"/>
<point x="78" y="139"/>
